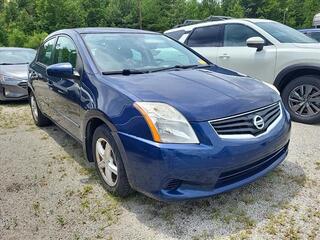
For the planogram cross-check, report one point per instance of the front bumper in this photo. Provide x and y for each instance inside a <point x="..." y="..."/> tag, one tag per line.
<point x="13" y="90"/>
<point x="172" y="172"/>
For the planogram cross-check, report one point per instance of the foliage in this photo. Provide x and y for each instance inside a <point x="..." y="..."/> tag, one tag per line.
<point x="27" y="22"/>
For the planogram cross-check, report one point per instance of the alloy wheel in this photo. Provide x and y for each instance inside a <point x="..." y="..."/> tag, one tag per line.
<point x="304" y="100"/>
<point x="106" y="162"/>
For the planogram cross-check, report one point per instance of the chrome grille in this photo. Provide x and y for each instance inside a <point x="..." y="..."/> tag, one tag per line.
<point x="245" y="123"/>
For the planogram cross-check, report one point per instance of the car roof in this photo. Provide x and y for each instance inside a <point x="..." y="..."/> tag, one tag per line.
<point x="209" y="23"/>
<point x="100" y="30"/>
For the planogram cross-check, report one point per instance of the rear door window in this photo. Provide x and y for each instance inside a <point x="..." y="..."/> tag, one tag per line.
<point x="210" y="36"/>
<point x="236" y="35"/>
<point x="46" y="52"/>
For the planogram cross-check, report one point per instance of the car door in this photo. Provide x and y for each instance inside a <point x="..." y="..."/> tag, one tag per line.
<point x="38" y="75"/>
<point x="236" y="55"/>
<point x="206" y="41"/>
<point x="66" y="91"/>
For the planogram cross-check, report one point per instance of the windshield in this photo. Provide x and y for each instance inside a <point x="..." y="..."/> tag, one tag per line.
<point x="284" y="34"/>
<point x="115" y="52"/>
<point x="16" y="56"/>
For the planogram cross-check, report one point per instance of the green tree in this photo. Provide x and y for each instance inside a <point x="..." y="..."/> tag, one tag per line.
<point x="35" y="40"/>
<point x="29" y="19"/>
<point x="236" y="10"/>
<point x="16" y="38"/>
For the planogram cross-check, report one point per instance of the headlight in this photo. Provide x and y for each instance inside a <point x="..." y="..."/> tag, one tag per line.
<point x="272" y="86"/>
<point x="4" y="78"/>
<point x="166" y="124"/>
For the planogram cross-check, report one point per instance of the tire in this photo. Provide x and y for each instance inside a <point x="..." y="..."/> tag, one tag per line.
<point x="302" y="99"/>
<point x="108" y="155"/>
<point x="39" y="119"/>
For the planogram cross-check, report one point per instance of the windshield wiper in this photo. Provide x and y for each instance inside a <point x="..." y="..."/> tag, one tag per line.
<point x="180" y="67"/>
<point x="126" y="72"/>
<point x="7" y="64"/>
<point x="174" y="67"/>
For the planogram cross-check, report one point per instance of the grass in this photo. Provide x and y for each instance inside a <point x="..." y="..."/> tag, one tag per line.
<point x="275" y="221"/>
<point x="243" y="234"/>
<point x="61" y="221"/>
<point x="86" y="190"/>
<point x="69" y="193"/>
<point x="83" y="171"/>
<point x="317" y="165"/>
<point x="85" y="204"/>
<point x="36" y="208"/>
<point x="239" y="216"/>
<point x="12" y="119"/>
<point x="63" y="157"/>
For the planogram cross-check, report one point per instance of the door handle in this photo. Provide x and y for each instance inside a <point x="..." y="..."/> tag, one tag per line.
<point x="224" y="56"/>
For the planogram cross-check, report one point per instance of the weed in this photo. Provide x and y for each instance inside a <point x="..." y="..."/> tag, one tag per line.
<point x="61" y="221"/>
<point x="36" y="208"/>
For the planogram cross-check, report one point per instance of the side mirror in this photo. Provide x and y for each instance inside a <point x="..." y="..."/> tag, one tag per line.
<point x="256" y="42"/>
<point x="61" y="70"/>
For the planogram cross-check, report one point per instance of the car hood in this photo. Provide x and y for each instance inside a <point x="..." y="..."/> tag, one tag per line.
<point x="15" y="71"/>
<point x="200" y="94"/>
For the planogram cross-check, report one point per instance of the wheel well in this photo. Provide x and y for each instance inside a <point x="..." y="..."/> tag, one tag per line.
<point x="92" y="125"/>
<point x="294" y="74"/>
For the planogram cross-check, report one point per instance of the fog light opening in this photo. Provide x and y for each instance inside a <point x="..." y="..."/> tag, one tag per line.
<point x="172" y="184"/>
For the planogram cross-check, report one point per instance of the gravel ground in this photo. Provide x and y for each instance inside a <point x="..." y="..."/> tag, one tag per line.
<point x="48" y="191"/>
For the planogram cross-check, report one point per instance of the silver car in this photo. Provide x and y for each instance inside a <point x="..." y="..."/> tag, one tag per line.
<point x="14" y="72"/>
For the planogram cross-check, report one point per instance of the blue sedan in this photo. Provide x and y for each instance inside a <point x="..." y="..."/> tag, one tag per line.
<point x="155" y="116"/>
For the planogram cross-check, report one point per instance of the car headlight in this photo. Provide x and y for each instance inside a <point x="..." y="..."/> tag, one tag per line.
<point x="166" y="124"/>
<point x="272" y="87"/>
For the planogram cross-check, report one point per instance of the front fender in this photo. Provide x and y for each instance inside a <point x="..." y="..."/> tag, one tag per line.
<point x="93" y="117"/>
<point x="284" y="76"/>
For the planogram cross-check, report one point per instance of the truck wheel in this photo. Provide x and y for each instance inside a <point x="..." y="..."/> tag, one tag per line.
<point x="302" y="99"/>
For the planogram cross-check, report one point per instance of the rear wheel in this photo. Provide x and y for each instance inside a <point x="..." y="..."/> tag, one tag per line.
<point x="39" y="119"/>
<point x="302" y="99"/>
<point x="109" y="163"/>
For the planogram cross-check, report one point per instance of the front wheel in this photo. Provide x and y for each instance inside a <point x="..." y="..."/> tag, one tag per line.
<point x="109" y="163"/>
<point x="302" y="99"/>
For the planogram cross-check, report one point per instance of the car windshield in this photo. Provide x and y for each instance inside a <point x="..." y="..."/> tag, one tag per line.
<point x="114" y="52"/>
<point x="284" y="34"/>
<point x="16" y="56"/>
